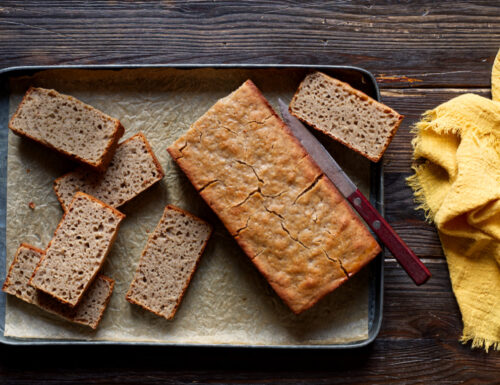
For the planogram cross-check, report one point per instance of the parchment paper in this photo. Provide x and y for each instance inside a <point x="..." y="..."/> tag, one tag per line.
<point x="228" y="301"/>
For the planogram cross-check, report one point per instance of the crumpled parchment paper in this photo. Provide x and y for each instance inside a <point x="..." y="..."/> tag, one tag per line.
<point x="228" y="301"/>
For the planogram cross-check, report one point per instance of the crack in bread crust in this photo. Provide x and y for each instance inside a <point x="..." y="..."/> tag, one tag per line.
<point x="237" y="233"/>
<point x="208" y="184"/>
<point x="273" y="212"/>
<point x="292" y="238"/>
<point x="308" y="188"/>
<point x="260" y="122"/>
<point x="253" y="169"/>
<point x="257" y="191"/>
<point x="337" y="260"/>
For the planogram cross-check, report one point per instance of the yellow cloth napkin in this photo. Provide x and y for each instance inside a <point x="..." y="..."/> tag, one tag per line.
<point x="457" y="182"/>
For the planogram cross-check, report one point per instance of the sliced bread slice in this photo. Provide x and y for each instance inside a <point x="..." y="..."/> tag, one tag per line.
<point x="133" y="169"/>
<point x="345" y="114"/>
<point x="168" y="262"/>
<point x="67" y="125"/>
<point x="90" y="310"/>
<point x="75" y="254"/>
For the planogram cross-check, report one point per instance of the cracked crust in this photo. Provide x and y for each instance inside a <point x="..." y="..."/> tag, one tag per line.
<point x="272" y="197"/>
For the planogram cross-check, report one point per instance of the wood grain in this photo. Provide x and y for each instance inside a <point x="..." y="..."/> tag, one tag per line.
<point x="420" y="43"/>
<point x="412" y="103"/>
<point x="409" y="223"/>
<point x="422" y="52"/>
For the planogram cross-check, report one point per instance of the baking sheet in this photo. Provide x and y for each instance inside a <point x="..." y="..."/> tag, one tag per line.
<point x="228" y="301"/>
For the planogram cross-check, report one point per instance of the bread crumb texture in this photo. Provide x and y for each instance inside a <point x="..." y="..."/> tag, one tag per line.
<point x="133" y="169"/>
<point x="345" y="114"/>
<point x="78" y="249"/>
<point x="168" y="262"/>
<point x="66" y="124"/>
<point x="89" y="312"/>
<point x="284" y="213"/>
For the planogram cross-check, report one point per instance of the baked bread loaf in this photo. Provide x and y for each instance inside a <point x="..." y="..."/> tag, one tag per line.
<point x="75" y="254"/>
<point x="67" y="125"/>
<point x="272" y="197"/>
<point x="168" y="262"/>
<point x="133" y="169"/>
<point x="345" y="114"/>
<point x="91" y="308"/>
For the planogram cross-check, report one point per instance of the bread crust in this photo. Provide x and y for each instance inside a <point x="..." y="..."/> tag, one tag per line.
<point x="117" y="213"/>
<point x="75" y="319"/>
<point x="364" y="97"/>
<point x="108" y="153"/>
<point x="14" y="261"/>
<point x="159" y="168"/>
<point x="157" y="164"/>
<point x="111" y="283"/>
<point x="56" y="190"/>
<point x="128" y="296"/>
<point x="282" y="288"/>
<point x="110" y="150"/>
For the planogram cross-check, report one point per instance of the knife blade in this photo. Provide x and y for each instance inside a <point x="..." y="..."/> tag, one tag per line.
<point x="403" y="254"/>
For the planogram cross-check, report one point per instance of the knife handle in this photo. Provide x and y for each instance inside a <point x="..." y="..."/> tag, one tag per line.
<point x="406" y="258"/>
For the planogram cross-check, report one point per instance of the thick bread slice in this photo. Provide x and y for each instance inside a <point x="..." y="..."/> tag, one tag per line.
<point x="67" y="125"/>
<point x="90" y="310"/>
<point x="75" y="254"/>
<point x="271" y="196"/>
<point x="168" y="262"/>
<point x="133" y="169"/>
<point x="345" y="114"/>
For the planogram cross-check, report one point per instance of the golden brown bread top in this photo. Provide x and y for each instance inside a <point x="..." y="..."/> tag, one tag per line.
<point x="271" y="196"/>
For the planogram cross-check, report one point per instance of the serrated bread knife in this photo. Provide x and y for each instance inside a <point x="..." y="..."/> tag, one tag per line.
<point x="406" y="258"/>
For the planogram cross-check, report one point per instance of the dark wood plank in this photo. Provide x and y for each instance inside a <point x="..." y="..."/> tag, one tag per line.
<point x="417" y="363"/>
<point x="420" y="312"/>
<point x="408" y="222"/>
<point x="412" y="103"/>
<point x="418" y="342"/>
<point x="421" y="43"/>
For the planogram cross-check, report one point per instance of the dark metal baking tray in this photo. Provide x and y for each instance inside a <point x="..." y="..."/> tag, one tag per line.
<point x="357" y="77"/>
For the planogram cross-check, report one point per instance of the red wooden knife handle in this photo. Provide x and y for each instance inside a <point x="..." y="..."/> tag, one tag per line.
<point x="407" y="258"/>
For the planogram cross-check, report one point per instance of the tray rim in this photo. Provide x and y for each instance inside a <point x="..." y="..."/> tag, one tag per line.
<point x="376" y="198"/>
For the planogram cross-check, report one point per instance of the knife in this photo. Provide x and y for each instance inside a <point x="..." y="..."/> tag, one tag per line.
<point x="403" y="254"/>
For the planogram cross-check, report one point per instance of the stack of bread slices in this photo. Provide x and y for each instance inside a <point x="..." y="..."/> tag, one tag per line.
<point x="65" y="278"/>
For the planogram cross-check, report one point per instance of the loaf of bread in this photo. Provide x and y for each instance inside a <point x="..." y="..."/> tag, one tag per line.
<point x="133" y="169"/>
<point x="91" y="308"/>
<point x="67" y="125"/>
<point x="345" y="114"/>
<point x="75" y="254"/>
<point x="272" y="197"/>
<point x="168" y="262"/>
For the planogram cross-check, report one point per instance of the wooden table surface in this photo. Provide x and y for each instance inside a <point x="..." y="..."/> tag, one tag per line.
<point x="422" y="53"/>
